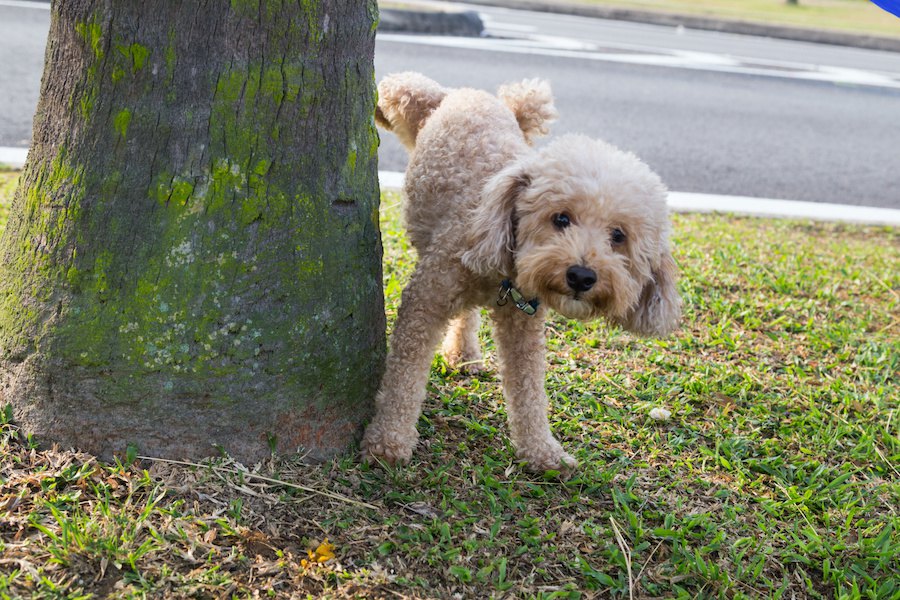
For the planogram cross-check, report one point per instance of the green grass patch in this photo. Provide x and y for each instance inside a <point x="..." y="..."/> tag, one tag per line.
<point x="856" y="16"/>
<point x="8" y="181"/>
<point x="775" y="477"/>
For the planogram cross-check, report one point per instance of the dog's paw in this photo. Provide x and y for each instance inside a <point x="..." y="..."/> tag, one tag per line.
<point x="389" y="447"/>
<point x="468" y="363"/>
<point x="469" y="367"/>
<point x="547" y="457"/>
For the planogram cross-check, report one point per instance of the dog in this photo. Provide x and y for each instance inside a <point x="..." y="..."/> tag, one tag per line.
<point x="576" y="226"/>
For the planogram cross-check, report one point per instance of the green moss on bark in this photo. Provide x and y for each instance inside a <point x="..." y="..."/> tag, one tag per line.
<point x="91" y="33"/>
<point x="135" y="54"/>
<point x="121" y="122"/>
<point x="218" y="254"/>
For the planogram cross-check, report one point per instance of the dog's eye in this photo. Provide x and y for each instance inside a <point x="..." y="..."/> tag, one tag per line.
<point x="617" y="237"/>
<point x="561" y="220"/>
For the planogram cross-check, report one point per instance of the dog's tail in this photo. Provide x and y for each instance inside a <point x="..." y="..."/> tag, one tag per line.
<point x="531" y="101"/>
<point x="405" y="101"/>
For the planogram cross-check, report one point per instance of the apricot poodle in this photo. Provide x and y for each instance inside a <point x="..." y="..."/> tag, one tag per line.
<point x="577" y="226"/>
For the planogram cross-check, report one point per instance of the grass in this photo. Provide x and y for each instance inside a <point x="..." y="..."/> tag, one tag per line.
<point x="858" y="16"/>
<point x="775" y="477"/>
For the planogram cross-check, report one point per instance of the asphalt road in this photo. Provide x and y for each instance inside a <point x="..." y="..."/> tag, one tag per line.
<point x="23" y="37"/>
<point x="702" y="131"/>
<point x="712" y="113"/>
<point x="502" y="22"/>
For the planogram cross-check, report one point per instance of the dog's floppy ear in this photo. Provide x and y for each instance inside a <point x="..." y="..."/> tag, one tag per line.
<point x="491" y="237"/>
<point x="658" y="310"/>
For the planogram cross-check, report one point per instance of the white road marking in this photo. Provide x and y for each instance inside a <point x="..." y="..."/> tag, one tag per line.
<point x="510" y="27"/>
<point x="492" y="25"/>
<point x="659" y="57"/>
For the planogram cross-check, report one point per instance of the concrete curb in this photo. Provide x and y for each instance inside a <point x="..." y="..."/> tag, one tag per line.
<point x="13" y="157"/>
<point x="818" y="36"/>
<point x="742" y="205"/>
<point x="783" y="209"/>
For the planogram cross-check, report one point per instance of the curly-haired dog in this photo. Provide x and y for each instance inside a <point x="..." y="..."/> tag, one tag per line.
<point x="577" y="226"/>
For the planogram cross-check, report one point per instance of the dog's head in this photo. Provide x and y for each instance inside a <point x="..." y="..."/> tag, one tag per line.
<point x="583" y="227"/>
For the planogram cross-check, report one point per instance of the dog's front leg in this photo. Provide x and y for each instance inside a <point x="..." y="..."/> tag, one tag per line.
<point x="429" y="300"/>
<point x="521" y="351"/>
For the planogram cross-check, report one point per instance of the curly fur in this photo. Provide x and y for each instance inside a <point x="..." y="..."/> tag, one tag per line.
<point x="482" y="205"/>
<point x="532" y="103"/>
<point x="405" y="101"/>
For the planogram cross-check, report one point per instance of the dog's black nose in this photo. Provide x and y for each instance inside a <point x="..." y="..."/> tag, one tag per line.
<point x="580" y="279"/>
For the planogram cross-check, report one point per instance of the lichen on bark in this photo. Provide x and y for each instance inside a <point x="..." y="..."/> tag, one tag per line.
<point x="192" y="258"/>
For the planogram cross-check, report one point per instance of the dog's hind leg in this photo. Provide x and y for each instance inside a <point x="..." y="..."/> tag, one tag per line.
<point x="521" y="352"/>
<point x="421" y="320"/>
<point x="461" y="347"/>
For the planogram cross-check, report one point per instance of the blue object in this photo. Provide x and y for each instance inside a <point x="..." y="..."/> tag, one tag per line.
<point x="892" y="6"/>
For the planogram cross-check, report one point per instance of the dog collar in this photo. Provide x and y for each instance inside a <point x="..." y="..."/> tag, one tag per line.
<point x="529" y="307"/>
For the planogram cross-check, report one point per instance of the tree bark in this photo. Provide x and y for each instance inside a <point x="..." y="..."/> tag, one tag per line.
<point x="192" y="260"/>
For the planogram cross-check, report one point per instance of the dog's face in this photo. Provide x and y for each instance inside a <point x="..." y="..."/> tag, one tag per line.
<point x="584" y="228"/>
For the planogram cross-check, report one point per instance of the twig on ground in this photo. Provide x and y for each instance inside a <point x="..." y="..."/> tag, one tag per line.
<point x="626" y="552"/>
<point x="332" y="495"/>
<point x="647" y="562"/>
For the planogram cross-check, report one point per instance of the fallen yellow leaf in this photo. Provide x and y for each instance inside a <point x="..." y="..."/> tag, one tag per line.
<point x="323" y="553"/>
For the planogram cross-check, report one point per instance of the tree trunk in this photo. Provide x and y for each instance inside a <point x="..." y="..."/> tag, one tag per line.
<point x="192" y="259"/>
